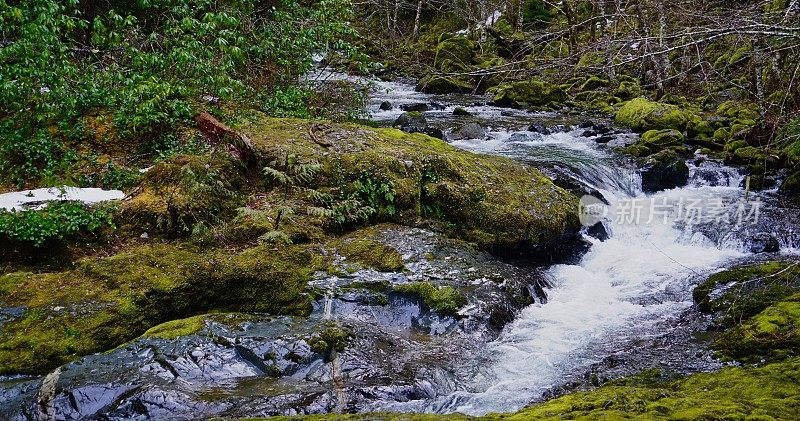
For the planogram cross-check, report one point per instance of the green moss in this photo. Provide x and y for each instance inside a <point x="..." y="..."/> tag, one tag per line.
<point x="638" y="150"/>
<point x="332" y="338"/>
<point x="657" y="140"/>
<point x="594" y="82"/>
<point x="370" y="254"/>
<point x="532" y="92"/>
<point x="454" y="54"/>
<point x="748" y="289"/>
<point x="176" y="328"/>
<point x="492" y="201"/>
<point x="444" y="300"/>
<point x="104" y="302"/>
<point x="628" y="90"/>
<point x="739" y="111"/>
<point x="768" y="392"/>
<point x="772" y="334"/>
<point x="642" y="115"/>
<point x="435" y="84"/>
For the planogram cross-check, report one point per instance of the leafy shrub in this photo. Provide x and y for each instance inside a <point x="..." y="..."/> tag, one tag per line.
<point x="58" y="221"/>
<point x="150" y="63"/>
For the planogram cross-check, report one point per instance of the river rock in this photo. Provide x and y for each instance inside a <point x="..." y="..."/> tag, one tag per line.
<point x="411" y="122"/>
<point x="386" y="106"/>
<point x="662" y="171"/>
<point x="468" y="131"/>
<point x="419" y="107"/>
<point x="764" y="243"/>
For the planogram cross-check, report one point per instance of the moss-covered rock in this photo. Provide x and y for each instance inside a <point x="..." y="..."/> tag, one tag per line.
<point x="176" y="195"/>
<point x="745" y="291"/>
<point x="437" y="84"/>
<point x="657" y="140"/>
<point x="104" y="302"/>
<point x="739" y="111"/>
<point x="400" y="177"/>
<point x="532" y="92"/>
<point x="454" y="54"/>
<point x="369" y="253"/>
<point x="445" y="300"/>
<point x="628" y="90"/>
<point x="791" y="184"/>
<point x="663" y="170"/>
<point x="594" y="82"/>
<point x="772" y="334"/>
<point x="642" y="115"/>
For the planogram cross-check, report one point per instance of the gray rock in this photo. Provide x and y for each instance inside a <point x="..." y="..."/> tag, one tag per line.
<point x="469" y="131"/>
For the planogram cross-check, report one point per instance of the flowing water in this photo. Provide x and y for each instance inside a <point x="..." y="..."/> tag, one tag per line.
<point x="628" y="292"/>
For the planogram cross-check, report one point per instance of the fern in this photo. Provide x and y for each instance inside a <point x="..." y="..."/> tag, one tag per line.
<point x="275" y="237"/>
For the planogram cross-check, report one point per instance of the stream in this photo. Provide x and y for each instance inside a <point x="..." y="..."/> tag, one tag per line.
<point x="628" y="301"/>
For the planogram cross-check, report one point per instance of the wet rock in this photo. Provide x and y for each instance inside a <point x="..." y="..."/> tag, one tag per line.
<point x="764" y="243"/>
<point x="605" y="139"/>
<point x="411" y="122"/>
<point x="386" y="106"/>
<point x="433" y="132"/>
<point x="662" y="171"/>
<point x="458" y="111"/>
<point x="469" y="131"/>
<point x="419" y="107"/>
<point x="539" y="128"/>
<point x="598" y="231"/>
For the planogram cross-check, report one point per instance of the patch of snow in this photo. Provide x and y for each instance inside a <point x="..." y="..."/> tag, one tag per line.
<point x="491" y="20"/>
<point x="38" y="198"/>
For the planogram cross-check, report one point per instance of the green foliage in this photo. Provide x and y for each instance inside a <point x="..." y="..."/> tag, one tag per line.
<point x="366" y="198"/>
<point x="536" y="13"/>
<point x="149" y="62"/>
<point x="58" y="221"/>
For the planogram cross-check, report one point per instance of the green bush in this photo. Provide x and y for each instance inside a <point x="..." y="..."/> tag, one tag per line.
<point x="58" y="221"/>
<point x="151" y="63"/>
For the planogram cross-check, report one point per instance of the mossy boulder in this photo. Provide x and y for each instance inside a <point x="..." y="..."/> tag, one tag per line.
<point x="445" y="300"/>
<point x="454" y="54"/>
<point x="772" y="334"/>
<point x="628" y="90"/>
<point x="745" y="291"/>
<point x="791" y="184"/>
<point x="657" y="140"/>
<point x="531" y="92"/>
<point x="104" y="302"/>
<point x="404" y="178"/>
<point x="739" y="111"/>
<point x="593" y="83"/>
<point x="642" y="115"/>
<point x="438" y="84"/>
<point x="369" y="253"/>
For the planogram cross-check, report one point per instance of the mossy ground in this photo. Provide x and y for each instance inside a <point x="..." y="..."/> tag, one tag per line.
<point x="104" y="302"/>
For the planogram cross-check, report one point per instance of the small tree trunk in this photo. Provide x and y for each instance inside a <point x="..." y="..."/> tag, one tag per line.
<point x="417" y="17"/>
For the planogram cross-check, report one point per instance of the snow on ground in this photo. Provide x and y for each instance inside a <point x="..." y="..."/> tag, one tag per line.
<point x="27" y="199"/>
